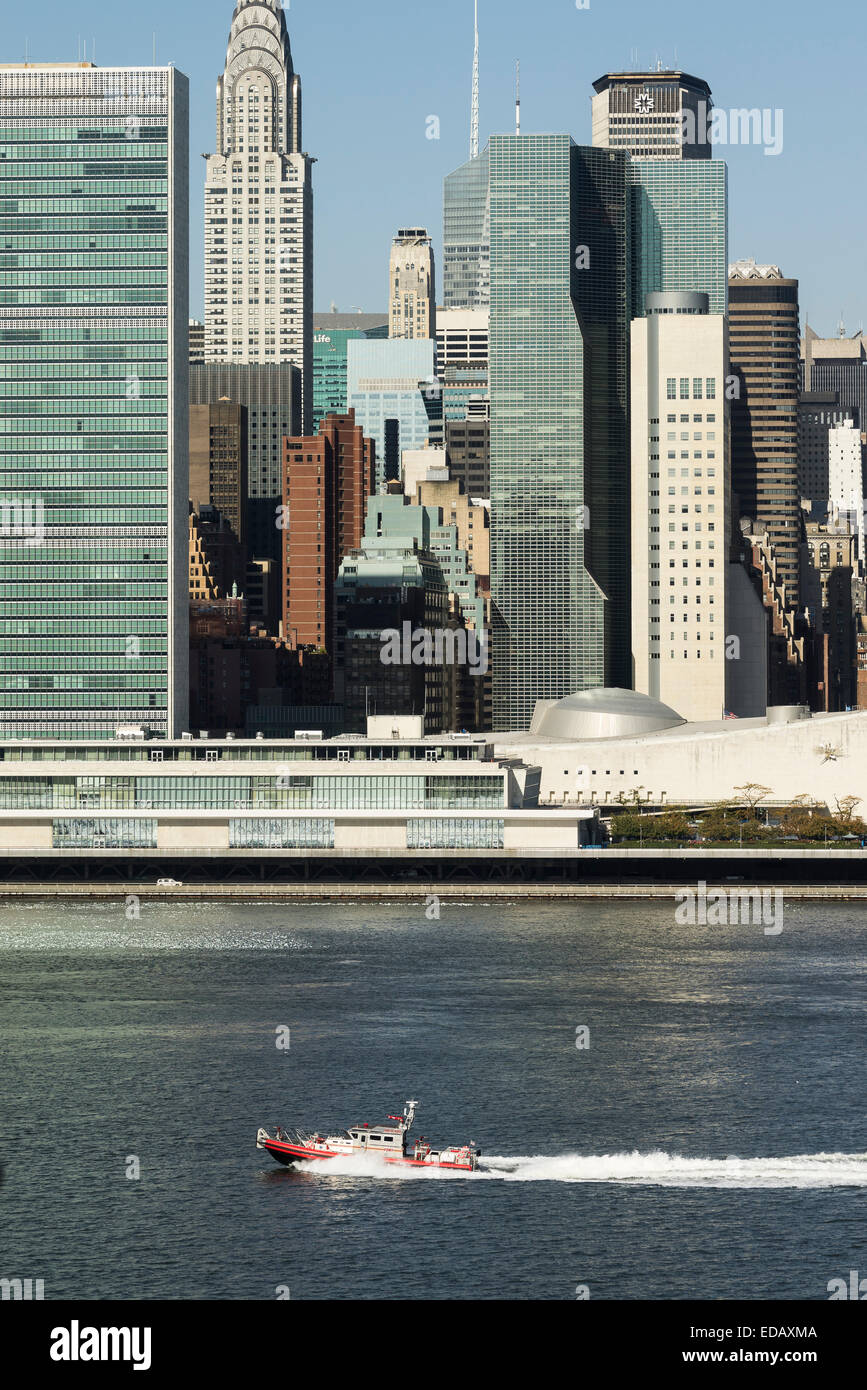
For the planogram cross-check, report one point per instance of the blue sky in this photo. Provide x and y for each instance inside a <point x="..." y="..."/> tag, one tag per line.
<point x="374" y="70"/>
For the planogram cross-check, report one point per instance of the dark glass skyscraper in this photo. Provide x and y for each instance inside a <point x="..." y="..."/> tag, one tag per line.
<point x="764" y="343"/>
<point x="560" y="273"/>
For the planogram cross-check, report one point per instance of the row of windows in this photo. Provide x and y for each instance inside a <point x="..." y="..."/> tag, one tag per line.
<point x="12" y="135"/>
<point x="148" y="381"/>
<point x="88" y="243"/>
<point x="281" y="834"/>
<point x="117" y="684"/>
<point x="84" y="297"/>
<point x="104" y="834"/>
<point x="78" y="280"/>
<point x="27" y="483"/>
<point x="109" y="146"/>
<point x="72" y="614"/>
<point x="73" y="661"/>
<point x="194" y="751"/>
<point x="108" y="588"/>
<point x="702" y="388"/>
<point x="92" y="203"/>
<point x="82" y="648"/>
<point x="455" y="834"/>
<point x="252" y="793"/>
<point x="83" y="258"/>
<point x="92" y="699"/>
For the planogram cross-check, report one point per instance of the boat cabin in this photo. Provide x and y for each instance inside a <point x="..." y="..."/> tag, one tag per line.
<point x="379" y="1138"/>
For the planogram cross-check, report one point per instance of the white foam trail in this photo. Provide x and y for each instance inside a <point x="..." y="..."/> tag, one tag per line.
<point x="662" y="1169"/>
<point x="655" y="1169"/>
<point x="372" y="1166"/>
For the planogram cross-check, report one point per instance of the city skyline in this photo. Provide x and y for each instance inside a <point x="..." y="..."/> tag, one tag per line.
<point x="561" y="54"/>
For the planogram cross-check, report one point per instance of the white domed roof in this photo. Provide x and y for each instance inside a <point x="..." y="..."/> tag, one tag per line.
<point x="603" y="714"/>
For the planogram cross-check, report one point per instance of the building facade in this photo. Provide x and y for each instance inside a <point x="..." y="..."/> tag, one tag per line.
<point x="846" y="499"/>
<point x="197" y="342"/>
<point x="838" y="365"/>
<point x="560" y="534"/>
<point x="385" y="585"/>
<point x="653" y="115"/>
<point x="259" y="206"/>
<point x="818" y="413"/>
<point x="397" y="399"/>
<point x="271" y="398"/>
<point x="238" y="800"/>
<point x="468" y="449"/>
<point x="94" y="386"/>
<point x="467" y="235"/>
<point x="687" y="650"/>
<point x="412" y="281"/>
<point x="218" y="462"/>
<point x="330" y="368"/>
<point x="830" y="566"/>
<point x="217" y="562"/>
<point x="679" y="213"/>
<point x="764" y="337"/>
<point x="328" y="478"/>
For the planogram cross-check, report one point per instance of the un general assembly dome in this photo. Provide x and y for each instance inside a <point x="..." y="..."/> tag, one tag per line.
<point x="602" y="714"/>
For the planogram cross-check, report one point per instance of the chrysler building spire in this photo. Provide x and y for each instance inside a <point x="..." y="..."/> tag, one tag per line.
<point x="259" y="211"/>
<point x="259" y="41"/>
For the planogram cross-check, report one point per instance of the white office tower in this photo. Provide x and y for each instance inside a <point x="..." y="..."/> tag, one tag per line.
<point x="412" y="294"/>
<point x="698" y="628"/>
<point x="462" y="337"/>
<point x="846" y="480"/>
<point x="259" y="206"/>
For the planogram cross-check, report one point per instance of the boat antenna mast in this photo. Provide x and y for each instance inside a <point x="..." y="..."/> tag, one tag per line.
<point x="409" y="1113"/>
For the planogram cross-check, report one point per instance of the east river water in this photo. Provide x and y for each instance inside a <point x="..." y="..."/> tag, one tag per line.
<point x="706" y="1139"/>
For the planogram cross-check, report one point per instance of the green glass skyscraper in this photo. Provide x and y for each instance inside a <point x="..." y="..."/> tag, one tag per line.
<point x="467" y="235"/>
<point x="560" y="297"/>
<point x="93" y="400"/>
<point x="680" y="229"/>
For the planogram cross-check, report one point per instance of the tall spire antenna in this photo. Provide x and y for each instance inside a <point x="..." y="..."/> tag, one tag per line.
<point x="474" y="120"/>
<point x="517" y="98"/>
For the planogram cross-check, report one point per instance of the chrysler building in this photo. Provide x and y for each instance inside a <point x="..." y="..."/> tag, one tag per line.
<point x="259" y="206"/>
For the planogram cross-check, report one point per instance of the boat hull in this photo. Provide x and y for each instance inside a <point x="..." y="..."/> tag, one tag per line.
<point x="287" y="1154"/>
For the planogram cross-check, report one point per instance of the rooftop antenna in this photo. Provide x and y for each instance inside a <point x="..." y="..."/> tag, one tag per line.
<point x="155" y="48"/>
<point x="841" y="327"/>
<point x="517" y="98"/>
<point x="633" y="59"/>
<point x="474" y="119"/>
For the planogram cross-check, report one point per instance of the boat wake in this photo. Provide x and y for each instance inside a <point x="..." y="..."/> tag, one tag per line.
<point x="659" y="1169"/>
<point x="655" y="1169"/>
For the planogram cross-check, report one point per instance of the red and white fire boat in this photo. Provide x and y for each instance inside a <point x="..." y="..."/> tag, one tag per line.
<point x="389" y="1141"/>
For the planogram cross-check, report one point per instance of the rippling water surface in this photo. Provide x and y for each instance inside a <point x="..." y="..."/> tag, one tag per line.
<point x="711" y="1142"/>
